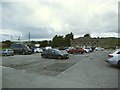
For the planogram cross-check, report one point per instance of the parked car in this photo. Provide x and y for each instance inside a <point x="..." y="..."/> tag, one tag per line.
<point x="7" y="52"/>
<point x="48" y="47"/>
<point x="62" y="48"/>
<point x="38" y="50"/>
<point x="99" y="49"/>
<point x="76" y="50"/>
<point x="114" y="58"/>
<point x="88" y="50"/>
<point x="69" y="48"/>
<point x="19" y="48"/>
<point x="55" y="54"/>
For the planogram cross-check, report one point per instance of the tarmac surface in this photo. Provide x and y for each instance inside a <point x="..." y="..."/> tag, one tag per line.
<point x="88" y="70"/>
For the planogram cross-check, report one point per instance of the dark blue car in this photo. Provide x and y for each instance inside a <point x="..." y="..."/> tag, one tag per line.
<point x="55" y="54"/>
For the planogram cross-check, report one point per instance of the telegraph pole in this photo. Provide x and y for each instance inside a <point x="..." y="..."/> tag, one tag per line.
<point x="29" y="36"/>
<point x="19" y="38"/>
<point x="11" y="38"/>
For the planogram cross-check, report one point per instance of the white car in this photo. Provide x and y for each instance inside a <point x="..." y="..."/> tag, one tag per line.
<point x="48" y="47"/>
<point x="99" y="49"/>
<point x="114" y="58"/>
<point x="88" y="50"/>
<point x="38" y="50"/>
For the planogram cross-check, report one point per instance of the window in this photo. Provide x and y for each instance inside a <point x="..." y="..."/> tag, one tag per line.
<point x="118" y="53"/>
<point x="16" y="46"/>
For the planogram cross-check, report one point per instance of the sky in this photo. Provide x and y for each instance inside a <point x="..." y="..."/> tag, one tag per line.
<point x="46" y="18"/>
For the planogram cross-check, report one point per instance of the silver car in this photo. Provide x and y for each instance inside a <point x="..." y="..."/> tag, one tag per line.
<point x="7" y="52"/>
<point x="114" y="58"/>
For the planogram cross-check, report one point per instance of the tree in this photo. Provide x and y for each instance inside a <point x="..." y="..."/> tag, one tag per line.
<point x="68" y="39"/>
<point x="60" y="41"/>
<point x="87" y="35"/>
<point x="57" y="41"/>
<point x="6" y="44"/>
<point x="33" y="42"/>
<point x="44" y="43"/>
<point x="54" y="41"/>
<point x="71" y="36"/>
<point x="49" y="43"/>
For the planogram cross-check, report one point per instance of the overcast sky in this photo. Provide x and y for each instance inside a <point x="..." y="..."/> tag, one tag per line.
<point x="46" y="18"/>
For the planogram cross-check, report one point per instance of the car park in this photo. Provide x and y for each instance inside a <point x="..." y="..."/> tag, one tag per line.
<point x="55" y="54"/>
<point x="76" y="50"/>
<point x="7" y="52"/>
<point x="77" y="68"/>
<point x="114" y="58"/>
<point x="20" y="48"/>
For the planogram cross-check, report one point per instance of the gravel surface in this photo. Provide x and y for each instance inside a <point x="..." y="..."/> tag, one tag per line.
<point x="88" y="70"/>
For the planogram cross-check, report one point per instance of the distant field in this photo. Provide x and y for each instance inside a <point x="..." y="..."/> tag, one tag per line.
<point x="3" y="48"/>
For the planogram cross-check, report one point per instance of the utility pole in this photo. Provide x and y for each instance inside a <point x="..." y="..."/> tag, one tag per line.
<point x="11" y="38"/>
<point x="19" y="38"/>
<point x="29" y="36"/>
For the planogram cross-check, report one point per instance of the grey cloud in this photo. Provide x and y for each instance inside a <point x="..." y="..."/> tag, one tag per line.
<point x="20" y="17"/>
<point x="36" y="32"/>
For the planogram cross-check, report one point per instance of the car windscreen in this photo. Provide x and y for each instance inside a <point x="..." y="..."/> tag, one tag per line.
<point x="15" y="46"/>
<point x="57" y="51"/>
<point x="25" y="47"/>
<point x="118" y="52"/>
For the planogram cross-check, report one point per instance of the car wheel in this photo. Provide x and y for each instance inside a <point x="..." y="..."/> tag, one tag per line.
<point x="119" y="64"/>
<point x="43" y="56"/>
<point x="5" y="54"/>
<point x="23" y="53"/>
<point x="81" y="52"/>
<point x="59" y="57"/>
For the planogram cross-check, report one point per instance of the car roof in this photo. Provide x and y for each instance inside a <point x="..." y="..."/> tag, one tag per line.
<point x="115" y="52"/>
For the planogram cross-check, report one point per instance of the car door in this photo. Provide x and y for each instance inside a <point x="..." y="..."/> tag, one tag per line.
<point x="8" y="52"/>
<point x="49" y="53"/>
<point x="55" y="54"/>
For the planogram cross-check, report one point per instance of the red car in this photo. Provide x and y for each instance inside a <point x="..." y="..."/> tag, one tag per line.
<point x="76" y="50"/>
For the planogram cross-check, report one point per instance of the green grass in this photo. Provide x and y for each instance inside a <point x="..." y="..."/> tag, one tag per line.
<point x="3" y="48"/>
